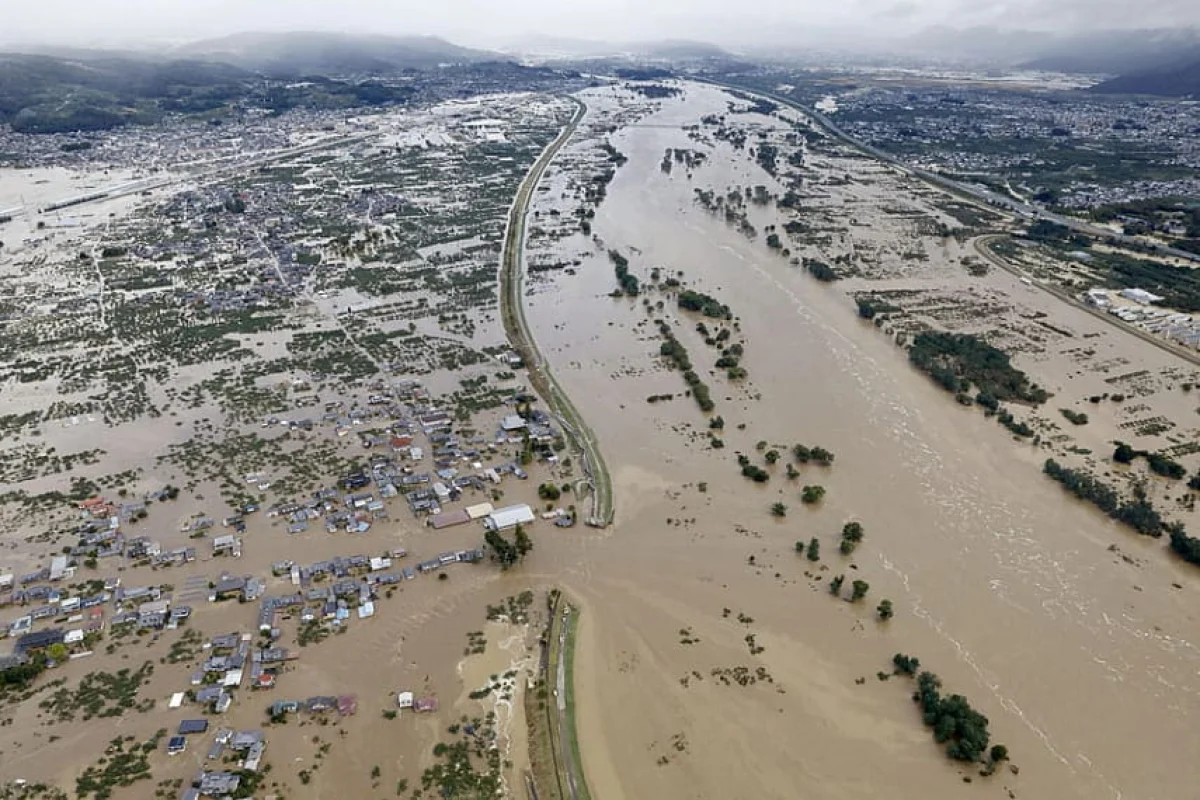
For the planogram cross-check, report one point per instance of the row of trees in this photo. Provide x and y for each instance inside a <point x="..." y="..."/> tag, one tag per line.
<point x="957" y="362"/>
<point x="962" y="729"/>
<point x="1158" y="463"/>
<point x="1186" y="547"/>
<point x="674" y="352"/>
<point x="815" y="455"/>
<point x="707" y="305"/>
<point x="626" y="279"/>
<point x="506" y="552"/>
<point x="820" y="270"/>
<point x="1138" y="513"/>
<point x="21" y="675"/>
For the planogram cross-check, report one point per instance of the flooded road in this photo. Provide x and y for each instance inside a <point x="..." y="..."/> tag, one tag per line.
<point x="1085" y="664"/>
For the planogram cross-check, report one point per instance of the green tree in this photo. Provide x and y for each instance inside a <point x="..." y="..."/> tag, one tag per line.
<point x="548" y="491"/>
<point x="57" y="652"/>
<point x="859" y="590"/>
<point x="835" y="585"/>
<point x="772" y="456"/>
<point x="1124" y="454"/>
<point x="779" y="510"/>
<point x="504" y="550"/>
<point x="906" y="665"/>
<point x="999" y="753"/>
<point x="884" y="609"/>
<point x="756" y="474"/>
<point x="812" y="494"/>
<point x="521" y="542"/>
<point x="814" y="549"/>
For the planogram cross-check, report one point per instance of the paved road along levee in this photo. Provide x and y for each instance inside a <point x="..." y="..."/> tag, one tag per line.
<point x="512" y="312"/>
<point x="983" y="247"/>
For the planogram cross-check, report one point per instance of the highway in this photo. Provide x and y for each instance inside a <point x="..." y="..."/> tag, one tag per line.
<point x="512" y="313"/>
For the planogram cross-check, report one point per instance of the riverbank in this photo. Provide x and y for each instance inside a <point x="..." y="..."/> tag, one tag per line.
<point x="986" y="563"/>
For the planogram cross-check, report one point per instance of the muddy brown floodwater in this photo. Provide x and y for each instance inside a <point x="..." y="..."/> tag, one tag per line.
<point x="1086" y="670"/>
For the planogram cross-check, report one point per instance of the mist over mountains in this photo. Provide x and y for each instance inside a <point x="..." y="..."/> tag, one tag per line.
<point x="55" y="90"/>
<point x="49" y="89"/>
<point x="302" y="53"/>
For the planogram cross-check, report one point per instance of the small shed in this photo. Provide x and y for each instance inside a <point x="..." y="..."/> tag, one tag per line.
<point x="479" y="510"/>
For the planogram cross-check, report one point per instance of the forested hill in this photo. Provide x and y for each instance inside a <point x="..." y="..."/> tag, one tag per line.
<point x="310" y="53"/>
<point x="1179" y="80"/>
<point x="93" y="90"/>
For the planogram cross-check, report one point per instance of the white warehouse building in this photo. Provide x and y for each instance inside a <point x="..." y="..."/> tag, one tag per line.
<point x="510" y="517"/>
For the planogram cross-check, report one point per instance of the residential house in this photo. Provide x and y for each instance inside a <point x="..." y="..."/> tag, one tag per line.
<point x="223" y="545"/>
<point x="218" y="784"/>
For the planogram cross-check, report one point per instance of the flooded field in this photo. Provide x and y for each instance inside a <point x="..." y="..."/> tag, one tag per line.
<point x="714" y="661"/>
<point x="186" y="386"/>
<point x="226" y="355"/>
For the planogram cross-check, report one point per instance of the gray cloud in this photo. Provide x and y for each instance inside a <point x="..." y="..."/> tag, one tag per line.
<point x="128" y="22"/>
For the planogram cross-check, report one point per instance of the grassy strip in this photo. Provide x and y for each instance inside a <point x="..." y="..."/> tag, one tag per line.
<point x="572" y="728"/>
<point x="549" y="769"/>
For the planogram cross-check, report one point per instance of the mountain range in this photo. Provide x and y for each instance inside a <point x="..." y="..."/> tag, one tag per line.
<point x="304" y="53"/>
<point x="1181" y="79"/>
<point x="58" y="90"/>
<point x="65" y="89"/>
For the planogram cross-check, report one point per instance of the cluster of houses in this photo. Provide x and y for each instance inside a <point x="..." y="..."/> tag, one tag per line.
<point x="1173" y="325"/>
<point x="250" y="745"/>
<point x="223" y="669"/>
<point x="329" y="591"/>
<point x="406" y="700"/>
<point x="345" y="705"/>
<point x="393" y="469"/>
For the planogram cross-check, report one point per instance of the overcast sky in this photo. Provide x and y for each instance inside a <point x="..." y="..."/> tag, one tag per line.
<point x="487" y="22"/>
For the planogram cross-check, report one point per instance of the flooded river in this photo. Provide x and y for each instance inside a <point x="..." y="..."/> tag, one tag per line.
<point x="1085" y="665"/>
